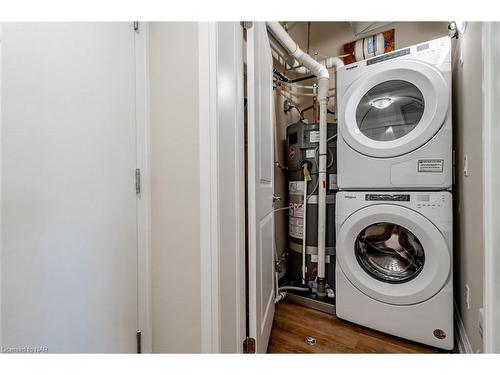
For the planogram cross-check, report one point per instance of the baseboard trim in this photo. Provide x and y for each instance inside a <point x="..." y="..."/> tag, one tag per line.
<point x="461" y="337"/>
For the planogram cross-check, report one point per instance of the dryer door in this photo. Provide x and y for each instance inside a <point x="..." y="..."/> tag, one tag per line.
<point x="393" y="254"/>
<point x="394" y="108"/>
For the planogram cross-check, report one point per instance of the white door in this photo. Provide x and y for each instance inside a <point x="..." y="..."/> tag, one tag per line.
<point x="394" y="108"/>
<point x="393" y="254"/>
<point x="260" y="185"/>
<point x="69" y="221"/>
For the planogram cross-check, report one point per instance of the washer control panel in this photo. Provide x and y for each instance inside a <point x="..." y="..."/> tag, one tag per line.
<point x="429" y="201"/>
<point x="435" y="205"/>
<point x="419" y="200"/>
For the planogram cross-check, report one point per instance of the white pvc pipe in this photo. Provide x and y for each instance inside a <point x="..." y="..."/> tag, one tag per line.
<point x="276" y="284"/>
<point x="294" y="50"/>
<point x="288" y="61"/>
<point x="328" y="63"/>
<point x="304" y="231"/>
<point x="296" y="288"/>
<point x="322" y="189"/>
<point x="321" y="72"/>
<point x="291" y="64"/>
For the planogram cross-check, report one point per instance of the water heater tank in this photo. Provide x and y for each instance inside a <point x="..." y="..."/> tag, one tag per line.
<point x="303" y="146"/>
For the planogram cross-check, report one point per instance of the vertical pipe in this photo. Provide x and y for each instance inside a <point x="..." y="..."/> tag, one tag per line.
<point x="304" y="231"/>
<point x="322" y="194"/>
<point x="321" y="72"/>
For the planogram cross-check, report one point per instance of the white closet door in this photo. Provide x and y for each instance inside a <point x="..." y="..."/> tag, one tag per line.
<point x="260" y="185"/>
<point x="69" y="220"/>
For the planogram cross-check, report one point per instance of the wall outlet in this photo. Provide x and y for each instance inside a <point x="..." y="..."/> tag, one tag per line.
<point x="467" y="296"/>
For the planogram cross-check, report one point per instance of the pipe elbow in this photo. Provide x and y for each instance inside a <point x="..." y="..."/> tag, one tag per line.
<point x="316" y="68"/>
<point x="323" y="72"/>
<point x="334" y="63"/>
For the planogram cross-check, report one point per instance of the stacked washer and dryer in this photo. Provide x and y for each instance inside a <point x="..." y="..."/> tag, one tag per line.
<point x="394" y="218"/>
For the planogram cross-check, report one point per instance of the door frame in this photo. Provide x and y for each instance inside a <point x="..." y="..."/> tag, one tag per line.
<point x="144" y="324"/>
<point x="491" y="182"/>
<point x="209" y="251"/>
<point x="222" y="187"/>
<point x="1" y="207"/>
<point x="144" y="291"/>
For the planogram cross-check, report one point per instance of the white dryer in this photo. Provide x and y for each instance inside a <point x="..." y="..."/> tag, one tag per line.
<point x="394" y="120"/>
<point x="394" y="263"/>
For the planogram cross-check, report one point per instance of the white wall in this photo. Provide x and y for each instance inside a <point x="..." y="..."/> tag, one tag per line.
<point x="175" y="205"/>
<point x="491" y="152"/>
<point x="198" y="244"/>
<point x="282" y="120"/>
<point x="468" y="193"/>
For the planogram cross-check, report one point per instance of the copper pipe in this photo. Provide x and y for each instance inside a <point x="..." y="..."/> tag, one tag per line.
<point x="314" y="107"/>
<point x="305" y="110"/>
<point x="315" y="110"/>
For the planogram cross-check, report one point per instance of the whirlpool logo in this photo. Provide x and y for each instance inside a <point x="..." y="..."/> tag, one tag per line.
<point x="350" y="196"/>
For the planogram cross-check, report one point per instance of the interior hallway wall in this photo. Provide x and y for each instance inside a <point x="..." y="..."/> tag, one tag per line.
<point x="468" y="194"/>
<point x="175" y="187"/>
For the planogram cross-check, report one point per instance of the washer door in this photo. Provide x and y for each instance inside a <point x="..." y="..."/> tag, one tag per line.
<point x="394" y="108"/>
<point x="393" y="254"/>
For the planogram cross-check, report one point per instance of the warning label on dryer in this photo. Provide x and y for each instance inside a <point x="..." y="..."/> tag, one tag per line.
<point x="431" y="165"/>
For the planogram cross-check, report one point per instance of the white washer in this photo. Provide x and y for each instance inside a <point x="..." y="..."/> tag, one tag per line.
<point x="394" y="263"/>
<point x="394" y="120"/>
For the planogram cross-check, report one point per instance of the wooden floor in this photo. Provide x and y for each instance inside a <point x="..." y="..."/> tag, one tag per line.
<point x="292" y="323"/>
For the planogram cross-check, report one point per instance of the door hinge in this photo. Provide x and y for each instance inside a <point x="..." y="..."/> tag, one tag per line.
<point x="246" y="24"/>
<point x="138" y="337"/>
<point x="136" y="25"/>
<point x="137" y="181"/>
<point x="249" y="345"/>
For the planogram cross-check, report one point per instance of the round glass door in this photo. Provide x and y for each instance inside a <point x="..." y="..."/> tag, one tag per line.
<point x="390" y="110"/>
<point x="389" y="252"/>
<point x="393" y="108"/>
